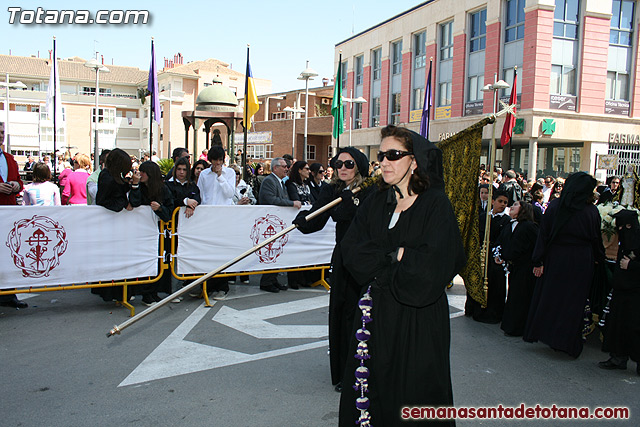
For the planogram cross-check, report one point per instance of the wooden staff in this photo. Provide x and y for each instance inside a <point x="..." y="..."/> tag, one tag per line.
<point x="118" y="328"/>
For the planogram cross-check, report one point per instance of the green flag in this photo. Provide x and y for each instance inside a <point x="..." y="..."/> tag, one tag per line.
<point x="336" y="106"/>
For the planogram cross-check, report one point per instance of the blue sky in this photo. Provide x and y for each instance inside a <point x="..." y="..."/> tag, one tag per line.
<point x="282" y="34"/>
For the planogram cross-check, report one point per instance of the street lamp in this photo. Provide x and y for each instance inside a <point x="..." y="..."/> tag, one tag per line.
<point x="306" y="75"/>
<point x="16" y="85"/>
<point x="97" y="66"/>
<point x="351" y="101"/>
<point x="294" y="112"/>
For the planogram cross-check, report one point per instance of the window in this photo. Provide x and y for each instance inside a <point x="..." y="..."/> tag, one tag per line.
<point x="565" y="19"/>
<point x="376" y="63"/>
<point x="396" y="57"/>
<point x="279" y="116"/>
<point x="419" y="50"/>
<point x="564" y="54"/>
<point x="620" y="50"/>
<point x="42" y="109"/>
<point x="419" y="64"/>
<point x="359" y="70"/>
<point x="446" y="41"/>
<point x="622" y="23"/>
<point x="357" y="116"/>
<point x="477" y="45"/>
<point x="375" y="112"/>
<point x="476" y="83"/>
<point x="311" y="152"/>
<point x="105" y="115"/>
<point x="445" y="75"/>
<point x="395" y="108"/>
<point x="563" y="80"/>
<point x="478" y="36"/>
<point x="514" y="29"/>
<point x="20" y="107"/>
<point x="343" y="77"/>
<point x="260" y="151"/>
<point x="92" y="91"/>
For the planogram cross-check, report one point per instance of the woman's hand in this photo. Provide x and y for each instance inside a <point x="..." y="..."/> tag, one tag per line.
<point x="244" y="201"/>
<point x="400" y="253"/>
<point x="155" y="205"/>
<point x="538" y="271"/>
<point x="624" y="262"/>
<point x="192" y="203"/>
<point x="188" y="212"/>
<point x="498" y="260"/>
<point x="129" y="207"/>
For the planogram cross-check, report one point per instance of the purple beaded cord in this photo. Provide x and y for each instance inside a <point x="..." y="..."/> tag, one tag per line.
<point x="362" y="354"/>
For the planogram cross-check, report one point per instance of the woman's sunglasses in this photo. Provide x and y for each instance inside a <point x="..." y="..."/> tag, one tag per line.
<point x="392" y="155"/>
<point x="349" y="164"/>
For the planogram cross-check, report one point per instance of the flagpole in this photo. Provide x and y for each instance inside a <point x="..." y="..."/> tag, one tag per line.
<point x="340" y="94"/>
<point x="55" y="122"/>
<point x="151" y="105"/>
<point x="244" y="119"/>
<point x="426" y="107"/>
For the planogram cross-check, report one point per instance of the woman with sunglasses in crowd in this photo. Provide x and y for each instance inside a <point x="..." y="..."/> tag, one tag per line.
<point x="348" y="165"/>
<point x="402" y="249"/>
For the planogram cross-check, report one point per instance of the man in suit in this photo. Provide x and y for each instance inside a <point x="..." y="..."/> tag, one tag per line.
<point x="28" y="168"/>
<point x="274" y="192"/>
<point x="10" y="187"/>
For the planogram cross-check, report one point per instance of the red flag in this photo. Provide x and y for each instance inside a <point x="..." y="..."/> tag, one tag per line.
<point x="510" y="121"/>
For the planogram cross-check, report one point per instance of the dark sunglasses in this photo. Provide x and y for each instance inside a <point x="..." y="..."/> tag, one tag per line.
<point x="321" y="171"/>
<point x="349" y="164"/>
<point x="392" y="155"/>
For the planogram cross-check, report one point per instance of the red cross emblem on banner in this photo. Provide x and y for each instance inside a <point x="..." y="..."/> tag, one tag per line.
<point x="264" y="228"/>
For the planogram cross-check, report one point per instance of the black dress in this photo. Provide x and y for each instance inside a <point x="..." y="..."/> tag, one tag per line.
<point x="557" y="307"/>
<point x="622" y="324"/>
<point x="344" y="290"/>
<point x="517" y="249"/>
<point x="410" y="335"/>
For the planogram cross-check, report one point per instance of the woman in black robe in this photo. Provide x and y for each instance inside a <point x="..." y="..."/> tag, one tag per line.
<point x="402" y="248"/>
<point x="568" y="246"/>
<point x="344" y="291"/>
<point x="622" y="324"/>
<point x="516" y="242"/>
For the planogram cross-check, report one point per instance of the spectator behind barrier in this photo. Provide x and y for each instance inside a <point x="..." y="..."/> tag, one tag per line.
<point x="41" y="192"/>
<point x="113" y="183"/>
<point x="198" y="167"/>
<point x="92" y="181"/>
<point x="183" y="191"/>
<point x="75" y="192"/>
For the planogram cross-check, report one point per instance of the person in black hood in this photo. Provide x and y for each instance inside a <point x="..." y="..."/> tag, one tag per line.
<point x="569" y="245"/>
<point x="351" y="166"/>
<point x="622" y="324"/>
<point x="402" y="249"/>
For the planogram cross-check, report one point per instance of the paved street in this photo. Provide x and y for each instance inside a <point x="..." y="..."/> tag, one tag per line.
<point x="257" y="359"/>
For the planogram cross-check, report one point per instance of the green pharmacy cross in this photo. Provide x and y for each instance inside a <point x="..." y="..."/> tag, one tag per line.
<point x="548" y="127"/>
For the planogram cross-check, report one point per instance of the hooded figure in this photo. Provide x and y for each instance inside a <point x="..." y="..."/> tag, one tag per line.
<point x="344" y="290"/>
<point x="402" y="249"/>
<point x="568" y="246"/>
<point x="622" y="324"/>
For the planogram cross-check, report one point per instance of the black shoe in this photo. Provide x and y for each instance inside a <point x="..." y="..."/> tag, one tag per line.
<point x="270" y="288"/>
<point x="280" y="287"/>
<point x="148" y="300"/>
<point x="294" y="286"/>
<point x="338" y="388"/>
<point x="156" y="298"/>
<point x="609" y="364"/>
<point x="15" y="303"/>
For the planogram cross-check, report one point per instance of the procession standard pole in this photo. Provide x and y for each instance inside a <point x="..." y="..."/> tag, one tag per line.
<point x="119" y="328"/>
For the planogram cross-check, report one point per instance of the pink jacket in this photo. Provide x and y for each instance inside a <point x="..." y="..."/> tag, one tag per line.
<point x="75" y="191"/>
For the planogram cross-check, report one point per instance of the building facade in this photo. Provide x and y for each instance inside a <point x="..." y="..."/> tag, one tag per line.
<point x="277" y="130"/>
<point x="578" y="86"/>
<point x="123" y="111"/>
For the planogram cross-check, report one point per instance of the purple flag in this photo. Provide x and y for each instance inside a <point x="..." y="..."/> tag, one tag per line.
<point x="426" y="108"/>
<point x="152" y="86"/>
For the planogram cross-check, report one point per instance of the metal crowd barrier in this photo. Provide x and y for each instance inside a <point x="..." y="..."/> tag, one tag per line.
<point x="168" y="261"/>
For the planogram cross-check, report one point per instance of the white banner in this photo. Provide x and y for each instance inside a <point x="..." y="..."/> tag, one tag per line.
<point x="59" y="245"/>
<point x="215" y="235"/>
